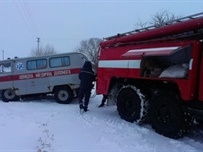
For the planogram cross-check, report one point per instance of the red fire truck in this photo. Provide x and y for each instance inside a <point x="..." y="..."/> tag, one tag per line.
<point x="156" y="74"/>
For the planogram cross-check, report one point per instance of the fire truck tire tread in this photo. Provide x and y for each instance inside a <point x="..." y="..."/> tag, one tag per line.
<point x="130" y="104"/>
<point x="166" y="116"/>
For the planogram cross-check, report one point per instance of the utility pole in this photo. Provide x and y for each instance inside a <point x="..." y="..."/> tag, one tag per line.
<point x="2" y="54"/>
<point x="38" y="40"/>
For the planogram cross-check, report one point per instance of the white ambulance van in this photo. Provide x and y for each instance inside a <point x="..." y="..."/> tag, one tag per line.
<point x="55" y="74"/>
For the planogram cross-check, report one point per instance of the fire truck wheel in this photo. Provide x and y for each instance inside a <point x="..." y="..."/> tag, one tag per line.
<point x="9" y="95"/>
<point x="63" y="95"/>
<point x="130" y="104"/>
<point x="167" y="117"/>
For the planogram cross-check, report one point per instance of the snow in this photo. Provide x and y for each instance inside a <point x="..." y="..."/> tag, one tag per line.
<point x="44" y="125"/>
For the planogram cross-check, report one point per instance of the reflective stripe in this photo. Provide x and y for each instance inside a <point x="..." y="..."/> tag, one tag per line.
<point x="132" y="64"/>
<point x="86" y="72"/>
<point x="190" y="64"/>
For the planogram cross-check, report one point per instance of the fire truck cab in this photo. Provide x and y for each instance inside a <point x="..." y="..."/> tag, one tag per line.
<point x="33" y="76"/>
<point x="156" y="74"/>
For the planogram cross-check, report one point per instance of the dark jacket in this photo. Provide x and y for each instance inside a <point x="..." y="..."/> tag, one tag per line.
<point x="86" y="75"/>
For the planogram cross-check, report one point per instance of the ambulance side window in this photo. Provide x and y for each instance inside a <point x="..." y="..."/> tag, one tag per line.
<point x="59" y="61"/>
<point x="5" y="67"/>
<point x="36" y="64"/>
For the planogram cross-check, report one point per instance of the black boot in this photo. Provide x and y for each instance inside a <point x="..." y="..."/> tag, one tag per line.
<point x="81" y="106"/>
<point x="85" y="109"/>
<point x="103" y="100"/>
<point x="101" y="105"/>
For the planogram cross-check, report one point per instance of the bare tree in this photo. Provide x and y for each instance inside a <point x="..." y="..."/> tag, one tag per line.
<point x="159" y="19"/>
<point x="141" y="24"/>
<point x="90" y="48"/>
<point x="47" y="50"/>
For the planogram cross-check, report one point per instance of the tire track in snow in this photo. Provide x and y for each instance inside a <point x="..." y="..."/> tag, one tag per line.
<point x="122" y="130"/>
<point x="46" y="139"/>
<point x="115" y="129"/>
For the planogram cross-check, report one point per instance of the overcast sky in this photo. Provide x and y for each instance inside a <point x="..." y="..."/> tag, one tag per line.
<point x="64" y="23"/>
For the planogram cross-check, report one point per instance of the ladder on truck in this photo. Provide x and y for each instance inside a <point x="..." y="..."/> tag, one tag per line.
<point x="156" y="26"/>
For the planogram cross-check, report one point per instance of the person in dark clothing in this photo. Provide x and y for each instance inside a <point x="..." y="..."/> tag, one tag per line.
<point x="105" y="97"/>
<point x="86" y="77"/>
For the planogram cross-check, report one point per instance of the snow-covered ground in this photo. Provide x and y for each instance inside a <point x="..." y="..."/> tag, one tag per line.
<point x="44" y="125"/>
